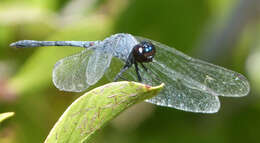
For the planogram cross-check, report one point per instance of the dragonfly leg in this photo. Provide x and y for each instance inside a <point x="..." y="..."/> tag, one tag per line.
<point x="137" y="72"/>
<point x="119" y="75"/>
<point x="145" y="68"/>
<point x="150" y="72"/>
<point x="128" y="64"/>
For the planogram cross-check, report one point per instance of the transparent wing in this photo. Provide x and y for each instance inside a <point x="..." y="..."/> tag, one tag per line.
<point x="97" y="65"/>
<point x="69" y="74"/>
<point x="176" y="93"/>
<point x="199" y="74"/>
<point x="191" y="84"/>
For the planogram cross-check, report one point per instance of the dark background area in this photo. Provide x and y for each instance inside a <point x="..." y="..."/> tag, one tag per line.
<point x="223" y="32"/>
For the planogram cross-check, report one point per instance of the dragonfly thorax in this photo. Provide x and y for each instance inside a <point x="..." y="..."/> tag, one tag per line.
<point x="144" y="52"/>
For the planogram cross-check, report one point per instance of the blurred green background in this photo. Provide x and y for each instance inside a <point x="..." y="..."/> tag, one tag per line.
<point x="223" y="32"/>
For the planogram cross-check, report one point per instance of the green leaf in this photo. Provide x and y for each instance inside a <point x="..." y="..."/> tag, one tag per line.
<point x="94" y="109"/>
<point x="6" y="115"/>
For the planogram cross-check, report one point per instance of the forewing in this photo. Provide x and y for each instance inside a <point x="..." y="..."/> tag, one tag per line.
<point x="175" y="93"/>
<point x="200" y="75"/>
<point x="190" y="84"/>
<point x="97" y="65"/>
<point x="178" y="94"/>
<point x="69" y="74"/>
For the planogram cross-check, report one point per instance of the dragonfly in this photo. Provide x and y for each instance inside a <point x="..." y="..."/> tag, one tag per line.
<point x="190" y="84"/>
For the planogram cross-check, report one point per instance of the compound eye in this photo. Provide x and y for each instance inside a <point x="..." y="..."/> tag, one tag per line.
<point x="140" y="50"/>
<point x="147" y="49"/>
<point x="144" y="52"/>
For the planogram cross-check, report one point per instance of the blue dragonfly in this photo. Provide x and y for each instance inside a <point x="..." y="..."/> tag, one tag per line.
<point x="190" y="84"/>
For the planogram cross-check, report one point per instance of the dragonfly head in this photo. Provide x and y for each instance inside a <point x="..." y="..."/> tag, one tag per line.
<point x="144" y="52"/>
